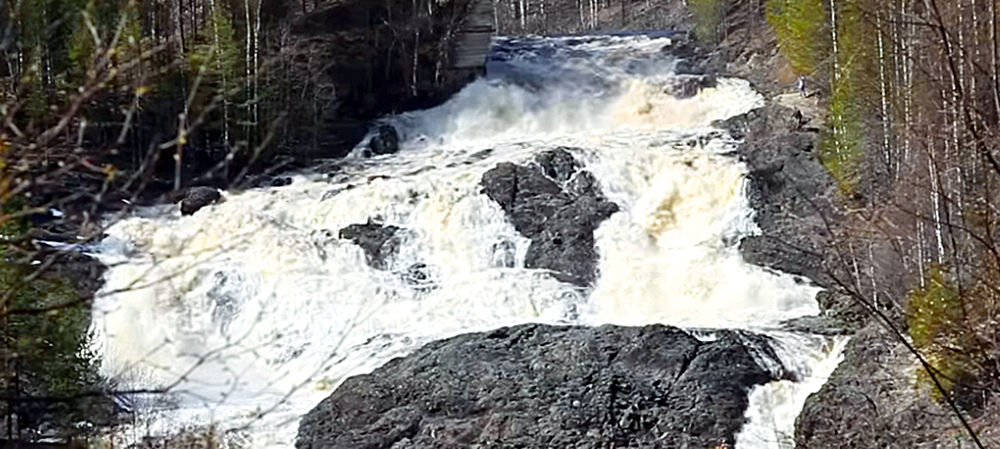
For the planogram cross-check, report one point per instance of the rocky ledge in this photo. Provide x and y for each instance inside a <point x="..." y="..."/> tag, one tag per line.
<point x="539" y="386"/>
<point x="790" y="191"/>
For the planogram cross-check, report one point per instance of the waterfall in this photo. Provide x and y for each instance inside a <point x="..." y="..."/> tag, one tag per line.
<point x="251" y="311"/>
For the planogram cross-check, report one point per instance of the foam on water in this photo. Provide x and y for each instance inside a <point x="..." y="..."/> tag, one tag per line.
<point x="252" y="310"/>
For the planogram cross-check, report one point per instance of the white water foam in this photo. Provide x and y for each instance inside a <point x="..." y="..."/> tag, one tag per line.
<point x="252" y="310"/>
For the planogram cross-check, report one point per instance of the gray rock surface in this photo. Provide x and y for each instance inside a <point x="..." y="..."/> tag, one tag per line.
<point x="797" y="206"/>
<point x="872" y="401"/>
<point x="789" y="189"/>
<point x="687" y="86"/>
<point x="538" y="386"/>
<point x="196" y="198"/>
<point x="557" y="205"/>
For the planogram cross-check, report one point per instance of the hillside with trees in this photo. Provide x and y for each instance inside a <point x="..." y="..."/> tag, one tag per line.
<point x="912" y="99"/>
<point x="107" y="104"/>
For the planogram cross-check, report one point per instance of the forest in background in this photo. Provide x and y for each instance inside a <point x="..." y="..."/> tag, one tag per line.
<point x="110" y="104"/>
<point x="103" y="100"/>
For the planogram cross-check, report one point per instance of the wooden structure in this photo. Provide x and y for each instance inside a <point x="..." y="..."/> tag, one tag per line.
<point x="475" y="36"/>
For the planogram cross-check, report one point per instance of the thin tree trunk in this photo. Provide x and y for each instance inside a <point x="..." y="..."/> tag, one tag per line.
<point x="886" y="120"/>
<point x="194" y="21"/>
<point x="907" y="67"/>
<point x="496" y="16"/>
<point x="256" y="70"/>
<point x="871" y="273"/>
<point x="935" y="179"/>
<point x="416" y="62"/>
<point x="180" y="23"/>
<point x="247" y="88"/>
<point x="920" y="253"/>
<point x="994" y="53"/>
<point x="524" y="15"/>
<point x="220" y="65"/>
<point x="833" y="37"/>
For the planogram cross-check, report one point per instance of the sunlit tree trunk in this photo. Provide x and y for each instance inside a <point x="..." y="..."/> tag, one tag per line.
<point x="884" y="94"/>
<point x="247" y="73"/>
<point x="994" y="52"/>
<point x="544" y="27"/>
<point x="496" y="15"/>
<point x="220" y="64"/>
<point x="833" y="39"/>
<point x="907" y="88"/>
<point x="936" y="181"/>
<point x="256" y="70"/>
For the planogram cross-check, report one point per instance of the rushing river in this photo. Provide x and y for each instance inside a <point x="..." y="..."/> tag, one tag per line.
<point x="251" y="311"/>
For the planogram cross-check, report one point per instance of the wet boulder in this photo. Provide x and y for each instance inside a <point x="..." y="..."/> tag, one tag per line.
<point x="378" y="241"/>
<point x="556" y="204"/>
<point x="540" y="386"/>
<point x="196" y="198"/>
<point x="386" y="141"/>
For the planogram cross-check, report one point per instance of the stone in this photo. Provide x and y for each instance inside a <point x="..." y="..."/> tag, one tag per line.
<point x="687" y="86"/>
<point x="556" y="204"/>
<point x="386" y="141"/>
<point x="378" y="241"/>
<point x="196" y="198"/>
<point x="871" y="401"/>
<point x="540" y="386"/>
<point x="789" y="189"/>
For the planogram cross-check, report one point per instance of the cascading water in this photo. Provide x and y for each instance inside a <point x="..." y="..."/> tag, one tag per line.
<point x="252" y="310"/>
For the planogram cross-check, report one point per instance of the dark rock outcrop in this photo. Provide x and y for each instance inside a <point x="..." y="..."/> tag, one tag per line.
<point x="870" y="401"/>
<point x="537" y="386"/>
<point x="687" y="86"/>
<point x="557" y="205"/>
<point x="196" y="198"/>
<point x="797" y="207"/>
<point x="378" y="241"/>
<point x="789" y="189"/>
<point x="386" y="141"/>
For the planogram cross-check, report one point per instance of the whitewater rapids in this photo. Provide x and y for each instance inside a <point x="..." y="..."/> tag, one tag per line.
<point x="251" y="311"/>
